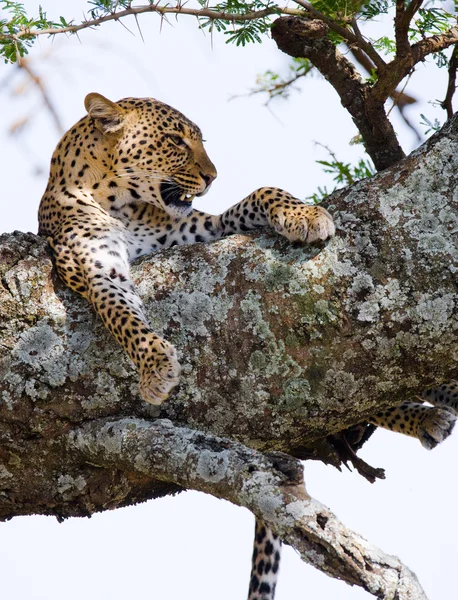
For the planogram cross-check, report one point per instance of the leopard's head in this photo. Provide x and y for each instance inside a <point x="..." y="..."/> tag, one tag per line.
<point x="154" y="151"/>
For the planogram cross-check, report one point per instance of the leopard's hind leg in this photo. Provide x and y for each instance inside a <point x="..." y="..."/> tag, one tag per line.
<point x="430" y="424"/>
<point x="91" y="258"/>
<point x="445" y="395"/>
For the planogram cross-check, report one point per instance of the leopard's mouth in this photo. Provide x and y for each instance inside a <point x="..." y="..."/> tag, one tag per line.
<point x="173" y="195"/>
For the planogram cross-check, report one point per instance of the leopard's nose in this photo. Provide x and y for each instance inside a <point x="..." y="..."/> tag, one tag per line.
<point x="208" y="178"/>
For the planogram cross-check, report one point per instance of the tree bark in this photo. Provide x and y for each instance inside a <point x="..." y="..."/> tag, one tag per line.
<point x="281" y="346"/>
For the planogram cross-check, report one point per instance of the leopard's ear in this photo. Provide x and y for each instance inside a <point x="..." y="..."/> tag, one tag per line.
<point x="108" y="116"/>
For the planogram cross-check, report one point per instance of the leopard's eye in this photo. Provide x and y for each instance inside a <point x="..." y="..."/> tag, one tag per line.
<point x="177" y="140"/>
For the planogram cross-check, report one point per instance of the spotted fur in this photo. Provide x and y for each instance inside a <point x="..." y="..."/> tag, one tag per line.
<point x="265" y="563"/>
<point x="430" y="424"/>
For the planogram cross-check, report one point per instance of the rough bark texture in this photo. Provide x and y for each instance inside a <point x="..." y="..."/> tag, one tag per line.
<point x="281" y="347"/>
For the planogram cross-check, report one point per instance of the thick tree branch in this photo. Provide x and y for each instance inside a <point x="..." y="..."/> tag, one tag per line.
<point x="270" y="486"/>
<point x="268" y="335"/>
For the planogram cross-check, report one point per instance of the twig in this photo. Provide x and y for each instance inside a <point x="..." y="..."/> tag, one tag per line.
<point x="275" y="89"/>
<point x="24" y="63"/>
<point x="398" y="96"/>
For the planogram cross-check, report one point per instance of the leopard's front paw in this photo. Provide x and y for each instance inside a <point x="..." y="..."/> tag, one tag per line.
<point x="436" y="425"/>
<point x="159" y="376"/>
<point x="303" y="223"/>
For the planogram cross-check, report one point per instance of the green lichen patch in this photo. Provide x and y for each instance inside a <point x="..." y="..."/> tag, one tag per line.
<point x="42" y="349"/>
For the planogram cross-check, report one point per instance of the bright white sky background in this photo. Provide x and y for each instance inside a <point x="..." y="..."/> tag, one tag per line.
<point x="194" y="546"/>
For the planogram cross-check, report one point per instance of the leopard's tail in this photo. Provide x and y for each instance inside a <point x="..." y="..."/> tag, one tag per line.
<point x="266" y="562"/>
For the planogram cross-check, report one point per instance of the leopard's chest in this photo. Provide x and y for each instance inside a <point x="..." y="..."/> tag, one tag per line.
<point x="146" y="237"/>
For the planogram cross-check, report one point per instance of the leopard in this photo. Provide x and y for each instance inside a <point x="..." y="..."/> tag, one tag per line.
<point x="121" y="185"/>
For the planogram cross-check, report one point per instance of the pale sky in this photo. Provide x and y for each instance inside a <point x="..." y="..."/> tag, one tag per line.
<point x="194" y="546"/>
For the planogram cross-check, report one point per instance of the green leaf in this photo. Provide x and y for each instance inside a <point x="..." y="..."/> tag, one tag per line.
<point x="430" y="125"/>
<point x="343" y="174"/>
<point x="239" y="32"/>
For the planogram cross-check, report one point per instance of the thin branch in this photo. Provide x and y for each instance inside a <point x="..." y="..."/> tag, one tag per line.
<point x="153" y="8"/>
<point x="345" y="33"/>
<point x="24" y="63"/>
<point x="410" y="11"/>
<point x="447" y="103"/>
<point x="367" y="47"/>
<point x="207" y="13"/>
<point x="396" y="98"/>
<point x="400" y="101"/>
<point x="275" y="89"/>
<point x="271" y="486"/>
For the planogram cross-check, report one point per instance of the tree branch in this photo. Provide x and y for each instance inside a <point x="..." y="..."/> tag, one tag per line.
<point x="403" y="64"/>
<point x="298" y="38"/>
<point x="270" y="486"/>
<point x="307" y="39"/>
<point x="277" y="88"/>
<point x="365" y="47"/>
<point x="157" y="8"/>
<point x="400" y="98"/>
<point x="434" y="43"/>
<point x="353" y="38"/>
<point x="403" y="17"/>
